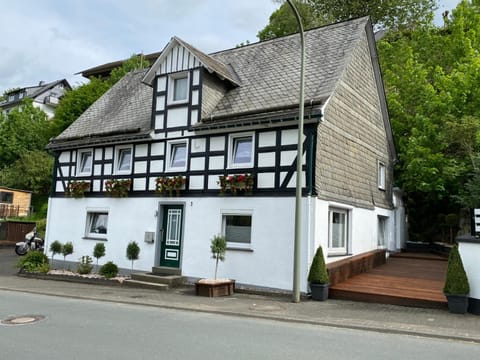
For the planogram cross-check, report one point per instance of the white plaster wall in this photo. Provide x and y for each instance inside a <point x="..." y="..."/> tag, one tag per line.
<point x="470" y="253"/>
<point x="270" y="264"/>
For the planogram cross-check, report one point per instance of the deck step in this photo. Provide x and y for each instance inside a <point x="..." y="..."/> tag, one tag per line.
<point x="146" y="285"/>
<point x="163" y="270"/>
<point x="170" y="280"/>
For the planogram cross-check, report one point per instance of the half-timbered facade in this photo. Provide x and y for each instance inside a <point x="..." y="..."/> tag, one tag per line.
<point x="207" y="144"/>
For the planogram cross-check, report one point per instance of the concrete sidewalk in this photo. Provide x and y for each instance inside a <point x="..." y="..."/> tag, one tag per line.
<point x="336" y="313"/>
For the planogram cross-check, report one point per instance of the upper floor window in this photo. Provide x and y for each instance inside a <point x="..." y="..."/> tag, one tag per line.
<point x="6" y="197"/>
<point x="123" y="163"/>
<point x="241" y="150"/>
<point x="177" y="156"/>
<point x="178" y="88"/>
<point x="84" y="164"/>
<point x="381" y="175"/>
<point x="11" y="97"/>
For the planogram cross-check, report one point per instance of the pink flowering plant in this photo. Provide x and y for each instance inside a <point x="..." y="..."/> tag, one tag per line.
<point x="170" y="184"/>
<point x="118" y="187"/>
<point x="77" y="189"/>
<point x="236" y="183"/>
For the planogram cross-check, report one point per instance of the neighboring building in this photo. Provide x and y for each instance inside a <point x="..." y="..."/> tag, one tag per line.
<point x="201" y="118"/>
<point x="103" y="71"/>
<point x="45" y="96"/>
<point x="14" y="203"/>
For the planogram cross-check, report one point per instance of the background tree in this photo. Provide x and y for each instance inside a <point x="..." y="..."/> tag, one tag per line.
<point x="393" y="14"/>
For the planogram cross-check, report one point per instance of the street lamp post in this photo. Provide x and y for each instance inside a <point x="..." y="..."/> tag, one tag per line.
<point x="298" y="197"/>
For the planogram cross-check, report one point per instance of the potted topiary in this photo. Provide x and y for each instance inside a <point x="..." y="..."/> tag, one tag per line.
<point x="216" y="287"/>
<point x="456" y="287"/>
<point x="318" y="277"/>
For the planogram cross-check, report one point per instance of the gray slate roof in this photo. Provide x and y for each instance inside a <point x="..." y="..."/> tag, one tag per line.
<point x="124" y="109"/>
<point x="34" y="91"/>
<point x="268" y="73"/>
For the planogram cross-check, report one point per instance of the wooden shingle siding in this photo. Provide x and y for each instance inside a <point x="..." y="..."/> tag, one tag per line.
<point x="352" y="139"/>
<point x="212" y="92"/>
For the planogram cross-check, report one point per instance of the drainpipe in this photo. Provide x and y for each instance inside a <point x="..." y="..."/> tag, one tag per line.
<point x="298" y="197"/>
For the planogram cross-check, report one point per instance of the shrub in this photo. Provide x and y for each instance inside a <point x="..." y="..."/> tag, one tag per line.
<point x="109" y="270"/>
<point x="99" y="251"/>
<point x="67" y="249"/>
<point x="133" y="251"/>
<point x="456" y="281"/>
<point x="318" y="271"/>
<point x="85" y="266"/>
<point x="34" y="261"/>
<point x="218" y="247"/>
<point x="55" y="248"/>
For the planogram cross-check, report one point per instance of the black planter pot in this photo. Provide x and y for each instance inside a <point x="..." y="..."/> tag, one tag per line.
<point x="457" y="304"/>
<point x="319" y="291"/>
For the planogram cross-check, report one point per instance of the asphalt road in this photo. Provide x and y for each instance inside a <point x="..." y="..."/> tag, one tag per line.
<point x="82" y="329"/>
<point x="8" y="261"/>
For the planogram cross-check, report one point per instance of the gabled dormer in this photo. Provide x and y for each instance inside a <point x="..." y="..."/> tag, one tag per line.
<point x="187" y="85"/>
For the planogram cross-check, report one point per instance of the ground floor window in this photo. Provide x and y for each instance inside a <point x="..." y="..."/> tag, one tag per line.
<point x="382" y="228"/>
<point x="237" y="230"/>
<point x="338" y="231"/>
<point x="97" y="224"/>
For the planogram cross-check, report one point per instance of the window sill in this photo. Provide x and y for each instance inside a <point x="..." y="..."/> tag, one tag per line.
<point x="94" y="238"/>
<point x="236" y="248"/>
<point x="339" y="254"/>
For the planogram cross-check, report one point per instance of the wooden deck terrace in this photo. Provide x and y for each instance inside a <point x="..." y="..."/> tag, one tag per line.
<point x="408" y="279"/>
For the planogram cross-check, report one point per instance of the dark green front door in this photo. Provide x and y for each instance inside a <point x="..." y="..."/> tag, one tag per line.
<point x="171" y="235"/>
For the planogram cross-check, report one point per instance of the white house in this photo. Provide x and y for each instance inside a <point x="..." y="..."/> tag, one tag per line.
<point x="228" y="121"/>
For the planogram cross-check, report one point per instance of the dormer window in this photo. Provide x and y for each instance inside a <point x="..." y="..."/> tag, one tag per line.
<point x="178" y="88"/>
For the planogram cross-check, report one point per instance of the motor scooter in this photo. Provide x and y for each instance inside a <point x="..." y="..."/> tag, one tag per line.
<point x="32" y="242"/>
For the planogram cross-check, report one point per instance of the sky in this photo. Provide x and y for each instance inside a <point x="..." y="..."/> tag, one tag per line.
<point x="48" y="40"/>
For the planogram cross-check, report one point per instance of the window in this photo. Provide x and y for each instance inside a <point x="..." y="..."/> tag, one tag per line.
<point x="124" y="160"/>
<point x="237" y="230"/>
<point x="97" y="224"/>
<point x="178" y="88"/>
<point x="177" y="156"/>
<point x="381" y="175"/>
<point x="338" y="231"/>
<point x="11" y="98"/>
<point x="6" y="197"/>
<point x="382" y="227"/>
<point x="241" y="151"/>
<point x="84" y="165"/>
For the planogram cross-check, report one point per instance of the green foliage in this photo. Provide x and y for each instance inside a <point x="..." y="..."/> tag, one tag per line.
<point x="67" y="249"/>
<point x="85" y="265"/>
<point x="33" y="261"/>
<point x="24" y="129"/>
<point x="133" y="252"/>
<point x="318" y="271"/>
<point x="109" y="270"/>
<point x="394" y="14"/>
<point x="31" y="171"/>
<point x="55" y="248"/>
<point x="456" y="282"/>
<point x="99" y="251"/>
<point x="41" y="227"/>
<point x="218" y="248"/>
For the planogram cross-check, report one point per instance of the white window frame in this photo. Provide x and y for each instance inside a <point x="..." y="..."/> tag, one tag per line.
<point x="79" y="162"/>
<point x="237" y="245"/>
<point x="88" y="226"/>
<point x="339" y="250"/>
<point x="382" y="228"/>
<point x="233" y="138"/>
<point x="118" y="151"/>
<point x="170" y="153"/>
<point x="171" y="87"/>
<point x="382" y="175"/>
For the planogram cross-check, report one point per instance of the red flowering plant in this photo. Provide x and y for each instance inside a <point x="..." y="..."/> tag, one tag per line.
<point x="76" y="189"/>
<point x="118" y="187"/>
<point x="170" y="184"/>
<point x="236" y="183"/>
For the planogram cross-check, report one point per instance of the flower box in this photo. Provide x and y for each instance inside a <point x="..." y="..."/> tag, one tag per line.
<point x="77" y="189"/>
<point x="214" y="288"/>
<point x="117" y="187"/>
<point x="236" y="183"/>
<point x="170" y="184"/>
